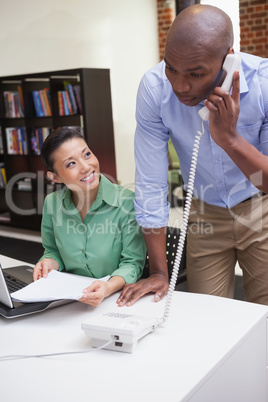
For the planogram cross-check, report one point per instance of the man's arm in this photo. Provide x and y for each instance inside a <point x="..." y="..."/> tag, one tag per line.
<point x="158" y="280"/>
<point x="224" y="112"/>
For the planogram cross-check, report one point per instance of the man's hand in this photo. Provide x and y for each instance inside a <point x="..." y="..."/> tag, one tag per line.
<point x="157" y="283"/>
<point x="224" y="112"/>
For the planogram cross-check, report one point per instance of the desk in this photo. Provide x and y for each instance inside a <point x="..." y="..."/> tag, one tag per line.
<point x="211" y="349"/>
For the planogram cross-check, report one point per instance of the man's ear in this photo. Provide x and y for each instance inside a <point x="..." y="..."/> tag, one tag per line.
<point x="53" y="177"/>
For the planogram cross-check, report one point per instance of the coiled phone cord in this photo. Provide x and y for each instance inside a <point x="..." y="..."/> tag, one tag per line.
<point x="183" y="231"/>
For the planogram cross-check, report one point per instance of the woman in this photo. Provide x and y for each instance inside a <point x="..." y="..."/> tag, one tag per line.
<point x="88" y="227"/>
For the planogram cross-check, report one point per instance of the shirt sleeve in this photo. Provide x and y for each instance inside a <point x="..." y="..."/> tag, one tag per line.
<point x="151" y="158"/>
<point x="48" y="238"/>
<point x="133" y="252"/>
<point x="263" y="79"/>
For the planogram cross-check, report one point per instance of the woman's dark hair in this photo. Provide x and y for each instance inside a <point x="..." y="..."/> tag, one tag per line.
<point x="54" y="140"/>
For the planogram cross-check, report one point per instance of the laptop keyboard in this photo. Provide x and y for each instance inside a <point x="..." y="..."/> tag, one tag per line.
<point x="13" y="284"/>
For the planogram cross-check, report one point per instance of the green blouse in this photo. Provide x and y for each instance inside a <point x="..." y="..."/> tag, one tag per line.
<point x="108" y="242"/>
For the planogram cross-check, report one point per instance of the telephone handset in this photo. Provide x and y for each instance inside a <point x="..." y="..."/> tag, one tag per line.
<point x="231" y="64"/>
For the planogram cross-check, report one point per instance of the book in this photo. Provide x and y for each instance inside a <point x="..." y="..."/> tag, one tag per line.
<point x="9" y="139"/>
<point x="69" y="89"/>
<point x="38" y="136"/>
<point x="77" y="94"/>
<point x="43" y="103"/>
<point x="25" y="185"/>
<point x="47" y="98"/>
<point x="1" y="142"/>
<point x="60" y="103"/>
<point x="13" y="106"/>
<point x="37" y="104"/>
<point x="44" y="96"/>
<point x="16" y="138"/>
<point x="68" y="102"/>
<point x="3" y="177"/>
<point x="65" y="103"/>
<point x="19" y="88"/>
<point x="22" y="140"/>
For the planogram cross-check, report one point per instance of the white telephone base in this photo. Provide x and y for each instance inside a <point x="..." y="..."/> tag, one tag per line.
<point x="124" y="330"/>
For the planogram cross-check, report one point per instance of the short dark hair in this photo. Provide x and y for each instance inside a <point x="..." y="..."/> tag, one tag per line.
<point x="53" y="141"/>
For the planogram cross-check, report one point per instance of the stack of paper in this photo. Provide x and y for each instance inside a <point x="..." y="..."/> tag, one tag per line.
<point x="57" y="286"/>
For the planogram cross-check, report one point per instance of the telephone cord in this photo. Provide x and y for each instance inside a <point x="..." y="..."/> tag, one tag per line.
<point x="183" y="231"/>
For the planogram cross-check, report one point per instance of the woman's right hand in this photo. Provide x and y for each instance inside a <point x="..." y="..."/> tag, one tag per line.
<point x="43" y="267"/>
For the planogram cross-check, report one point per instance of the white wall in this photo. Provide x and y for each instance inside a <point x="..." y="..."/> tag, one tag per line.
<point x="230" y="7"/>
<point x="43" y="35"/>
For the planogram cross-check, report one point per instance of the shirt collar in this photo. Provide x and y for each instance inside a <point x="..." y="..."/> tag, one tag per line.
<point x="107" y="193"/>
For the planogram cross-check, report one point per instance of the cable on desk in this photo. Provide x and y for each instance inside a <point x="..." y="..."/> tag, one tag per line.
<point x="41" y="356"/>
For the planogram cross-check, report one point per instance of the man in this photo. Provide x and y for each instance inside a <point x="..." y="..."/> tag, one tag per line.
<point x="229" y="216"/>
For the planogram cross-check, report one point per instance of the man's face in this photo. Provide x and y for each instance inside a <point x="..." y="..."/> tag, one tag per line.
<point x="192" y="73"/>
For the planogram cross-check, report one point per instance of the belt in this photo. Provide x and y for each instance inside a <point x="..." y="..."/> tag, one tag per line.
<point x="257" y="195"/>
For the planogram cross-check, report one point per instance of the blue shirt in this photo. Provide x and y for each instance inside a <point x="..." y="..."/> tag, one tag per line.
<point x="108" y="241"/>
<point x="161" y="116"/>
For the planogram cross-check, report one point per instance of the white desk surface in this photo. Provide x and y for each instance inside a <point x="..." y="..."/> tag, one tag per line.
<point x="168" y="365"/>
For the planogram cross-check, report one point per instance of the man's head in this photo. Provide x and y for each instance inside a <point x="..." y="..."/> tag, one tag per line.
<point x="198" y="41"/>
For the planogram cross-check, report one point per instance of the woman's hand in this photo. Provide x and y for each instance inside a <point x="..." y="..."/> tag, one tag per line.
<point x="98" y="290"/>
<point x="95" y="293"/>
<point x="43" y="267"/>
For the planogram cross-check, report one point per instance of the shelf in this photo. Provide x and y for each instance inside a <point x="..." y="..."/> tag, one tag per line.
<point x="93" y="117"/>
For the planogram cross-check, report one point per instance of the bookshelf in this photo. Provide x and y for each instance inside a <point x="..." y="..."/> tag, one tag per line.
<point x="31" y="105"/>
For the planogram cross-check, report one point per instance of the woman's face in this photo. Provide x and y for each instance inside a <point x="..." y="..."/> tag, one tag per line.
<point x="76" y="166"/>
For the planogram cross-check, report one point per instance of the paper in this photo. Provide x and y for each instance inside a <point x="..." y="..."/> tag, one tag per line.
<point x="57" y="286"/>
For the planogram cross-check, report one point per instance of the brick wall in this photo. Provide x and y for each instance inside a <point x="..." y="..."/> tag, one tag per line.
<point x="254" y="27"/>
<point x="166" y="15"/>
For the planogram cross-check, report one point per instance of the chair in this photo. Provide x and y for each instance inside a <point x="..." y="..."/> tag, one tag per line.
<point x="176" y="192"/>
<point x="172" y="239"/>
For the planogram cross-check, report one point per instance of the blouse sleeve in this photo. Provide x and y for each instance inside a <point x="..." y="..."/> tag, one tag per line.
<point x="48" y="238"/>
<point x="133" y="247"/>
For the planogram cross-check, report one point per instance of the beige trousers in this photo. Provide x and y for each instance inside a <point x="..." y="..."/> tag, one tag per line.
<point x="218" y="238"/>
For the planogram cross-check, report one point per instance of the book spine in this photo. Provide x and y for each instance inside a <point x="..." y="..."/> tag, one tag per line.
<point x="9" y="138"/>
<point x="65" y="104"/>
<point x="69" y="102"/>
<point x="72" y="98"/>
<point x="3" y="177"/>
<point x="15" y="141"/>
<point x="77" y="95"/>
<point x="46" y="94"/>
<point x="20" y="141"/>
<point x="1" y="142"/>
<point x="37" y="104"/>
<point x="21" y="100"/>
<point x="60" y="103"/>
<point x="43" y="103"/>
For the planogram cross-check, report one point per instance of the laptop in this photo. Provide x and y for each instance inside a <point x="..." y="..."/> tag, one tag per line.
<point x="12" y="279"/>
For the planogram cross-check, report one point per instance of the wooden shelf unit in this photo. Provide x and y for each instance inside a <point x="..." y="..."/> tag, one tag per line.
<point x="95" y="121"/>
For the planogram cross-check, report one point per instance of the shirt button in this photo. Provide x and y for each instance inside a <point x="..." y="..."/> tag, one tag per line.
<point x="83" y="251"/>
